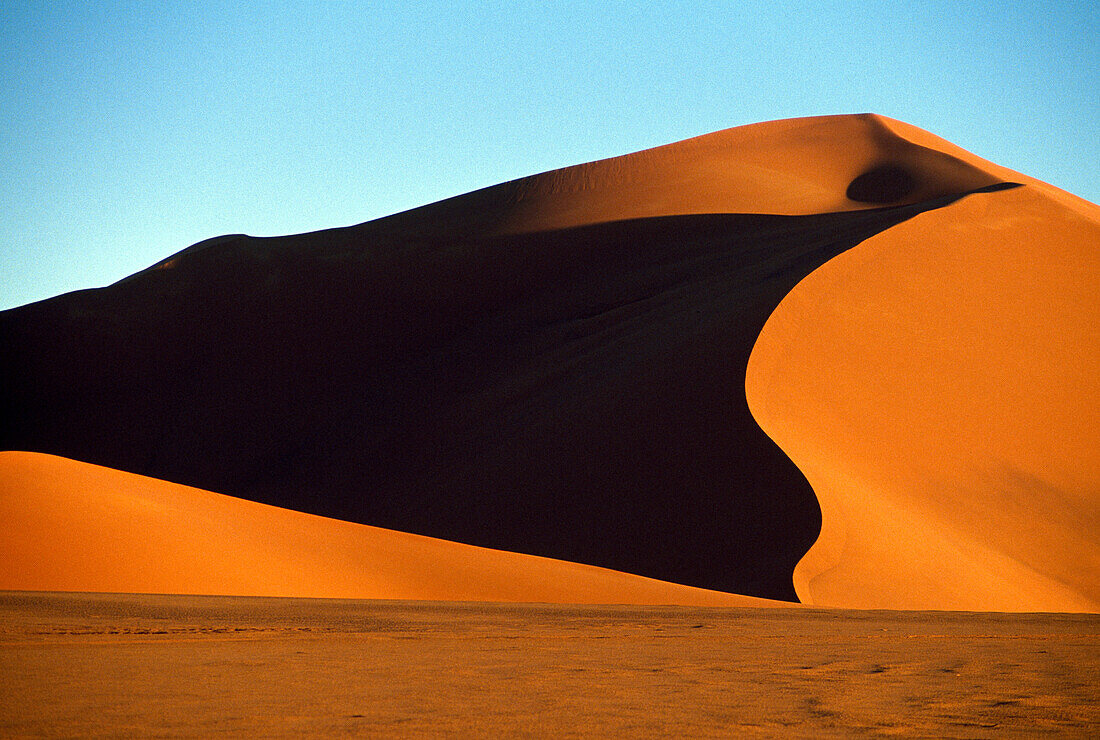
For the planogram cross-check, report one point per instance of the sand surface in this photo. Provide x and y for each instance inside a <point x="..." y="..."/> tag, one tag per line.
<point x="104" y="665"/>
<point x="71" y="526"/>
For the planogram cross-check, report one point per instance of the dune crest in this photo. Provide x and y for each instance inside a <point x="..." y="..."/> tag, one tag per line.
<point x="937" y="385"/>
<point x="71" y="526"/>
<point x="796" y="166"/>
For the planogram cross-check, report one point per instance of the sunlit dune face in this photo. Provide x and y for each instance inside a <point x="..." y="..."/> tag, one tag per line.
<point x="938" y="386"/>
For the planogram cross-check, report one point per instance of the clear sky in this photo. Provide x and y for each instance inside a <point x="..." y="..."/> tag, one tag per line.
<point x="130" y="130"/>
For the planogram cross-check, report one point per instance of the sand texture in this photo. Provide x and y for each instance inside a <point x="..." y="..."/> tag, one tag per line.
<point x="559" y="366"/>
<point x="103" y="665"/>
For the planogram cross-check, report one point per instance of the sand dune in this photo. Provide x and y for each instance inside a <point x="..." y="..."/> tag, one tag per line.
<point x="71" y="526"/>
<point x="558" y="366"/>
<point x="938" y="384"/>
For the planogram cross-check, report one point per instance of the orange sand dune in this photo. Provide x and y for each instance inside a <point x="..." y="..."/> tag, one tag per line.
<point x="71" y="526"/>
<point x="557" y="365"/>
<point x="939" y="385"/>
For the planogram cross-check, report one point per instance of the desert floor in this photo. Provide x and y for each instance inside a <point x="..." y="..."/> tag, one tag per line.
<point x="100" y="664"/>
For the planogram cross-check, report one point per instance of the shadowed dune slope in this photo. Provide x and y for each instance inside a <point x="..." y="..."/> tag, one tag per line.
<point x="71" y="526"/>
<point x="940" y="387"/>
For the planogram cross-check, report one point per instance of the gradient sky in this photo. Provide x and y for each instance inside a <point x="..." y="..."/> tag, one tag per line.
<point x="130" y="130"/>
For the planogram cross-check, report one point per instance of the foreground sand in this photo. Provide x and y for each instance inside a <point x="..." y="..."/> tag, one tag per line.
<point x="86" y="665"/>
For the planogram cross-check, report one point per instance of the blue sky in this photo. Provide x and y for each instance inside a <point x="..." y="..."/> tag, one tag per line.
<point x="129" y="130"/>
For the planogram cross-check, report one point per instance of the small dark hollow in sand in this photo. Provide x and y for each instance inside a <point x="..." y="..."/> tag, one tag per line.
<point x="883" y="184"/>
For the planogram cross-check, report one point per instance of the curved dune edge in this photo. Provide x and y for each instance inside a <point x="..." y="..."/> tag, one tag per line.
<point x="71" y="526"/>
<point x="938" y="387"/>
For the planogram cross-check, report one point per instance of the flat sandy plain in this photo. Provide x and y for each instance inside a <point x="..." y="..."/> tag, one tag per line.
<point x="103" y="664"/>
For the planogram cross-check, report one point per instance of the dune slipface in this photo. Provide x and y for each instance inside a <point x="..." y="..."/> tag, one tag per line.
<point x="554" y="366"/>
